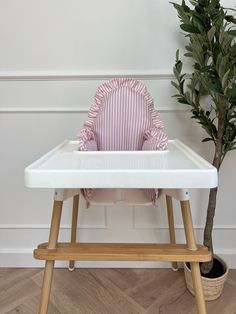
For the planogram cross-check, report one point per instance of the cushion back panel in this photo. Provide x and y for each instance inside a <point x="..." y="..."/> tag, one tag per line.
<point x="122" y="121"/>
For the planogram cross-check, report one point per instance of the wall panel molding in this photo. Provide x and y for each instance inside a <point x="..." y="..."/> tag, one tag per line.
<point x="49" y="87"/>
<point x="47" y="226"/>
<point x="79" y="109"/>
<point x="78" y="76"/>
<point x="68" y="226"/>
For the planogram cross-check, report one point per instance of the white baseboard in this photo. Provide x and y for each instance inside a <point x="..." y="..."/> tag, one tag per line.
<point x="22" y="239"/>
<point x="24" y="258"/>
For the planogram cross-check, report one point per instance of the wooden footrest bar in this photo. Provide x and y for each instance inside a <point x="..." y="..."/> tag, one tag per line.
<point x="122" y="252"/>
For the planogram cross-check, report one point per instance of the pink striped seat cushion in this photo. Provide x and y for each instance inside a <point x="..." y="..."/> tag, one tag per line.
<point x="122" y="117"/>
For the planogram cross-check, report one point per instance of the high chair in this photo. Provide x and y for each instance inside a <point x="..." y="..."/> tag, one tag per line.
<point x="122" y="154"/>
<point x="122" y="118"/>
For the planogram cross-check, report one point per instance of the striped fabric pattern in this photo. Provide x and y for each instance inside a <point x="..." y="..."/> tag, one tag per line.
<point x="122" y="117"/>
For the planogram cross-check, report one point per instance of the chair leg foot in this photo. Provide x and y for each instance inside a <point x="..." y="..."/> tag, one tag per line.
<point x="196" y="276"/>
<point x="71" y="269"/>
<point x="49" y="265"/>
<point x="195" y="269"/>
<point x="171" y="223"/>
<point x="46" y="287"/>
<point x="74" y="226"/>
<point x="71" y="266"/>
<point x="174" y="266"/>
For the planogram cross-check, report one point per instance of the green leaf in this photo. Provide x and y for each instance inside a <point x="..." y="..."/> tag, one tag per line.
<point x="175" y="85"/>
<point x="182" y="14"/>
<point x="215" y="85"/>
<point x="176" y="5"/>
<point x="214" y="4"/>
<point x="211" y="33"/>
<point x="179" y="66"/>
<point x="223" y="67"/>
<point x="189" y="28"/>
<point x="199" y="9"/>
<point x="176" y="73"/>
<point x="203" y="3"/>
<point x="225" y="78"/>
<point x="185" y="7"/>
<point x="197" y="66"/>
<point x="182" y="100"/>
<point x="198" y="18"/>
<point x="230" y="18"/>
<point x="177" y="55"/>
<point x="193" y="2"/>
<point x="207" y="139"/>
<point x="189" y="48"/>
<point x="188" y="54"/>
<point x="232" y="94"/>
<point x="217" y="50"/>
<point x="232" y="33"/>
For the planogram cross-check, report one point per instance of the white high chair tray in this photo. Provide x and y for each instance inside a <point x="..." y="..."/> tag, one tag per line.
<point x="66" y="167"/>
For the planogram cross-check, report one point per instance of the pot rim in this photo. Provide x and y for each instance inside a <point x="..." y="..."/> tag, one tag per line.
<point x="217" y="278"/>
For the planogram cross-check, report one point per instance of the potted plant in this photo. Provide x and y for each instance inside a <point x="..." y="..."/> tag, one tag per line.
<point x="210" y="92"/>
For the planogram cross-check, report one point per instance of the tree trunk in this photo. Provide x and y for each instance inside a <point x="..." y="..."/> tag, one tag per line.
<point x="206" y="267"/>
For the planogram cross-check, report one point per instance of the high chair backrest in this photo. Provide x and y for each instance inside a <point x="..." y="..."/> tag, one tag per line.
<point x="122" y="117"/>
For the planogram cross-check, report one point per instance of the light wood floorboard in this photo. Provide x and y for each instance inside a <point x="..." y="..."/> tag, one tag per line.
<point x="107" y="291"/>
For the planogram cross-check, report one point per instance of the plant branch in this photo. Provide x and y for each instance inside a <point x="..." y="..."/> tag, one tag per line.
<point x="231" y="9"/>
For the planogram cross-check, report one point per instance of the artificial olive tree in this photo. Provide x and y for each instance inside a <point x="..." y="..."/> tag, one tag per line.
<point x="211" y="46"/>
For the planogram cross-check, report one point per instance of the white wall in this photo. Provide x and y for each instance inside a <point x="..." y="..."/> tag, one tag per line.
<point x="53" y="56"/>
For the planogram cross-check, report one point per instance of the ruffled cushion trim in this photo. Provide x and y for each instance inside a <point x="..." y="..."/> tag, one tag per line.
<point x="155" y="139"/>
<point x="86" y="133"/>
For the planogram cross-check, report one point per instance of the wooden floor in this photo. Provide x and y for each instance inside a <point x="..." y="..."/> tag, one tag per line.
<point x="107" y="291"/>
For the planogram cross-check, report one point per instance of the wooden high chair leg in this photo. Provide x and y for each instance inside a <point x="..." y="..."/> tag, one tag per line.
<point x="74" y="226"/>
<point x="49" y="265"/>
<point x="171" y="222"/>
<point x="195" y="269"/>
